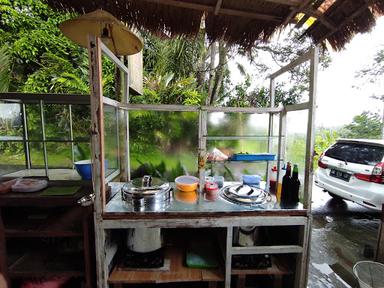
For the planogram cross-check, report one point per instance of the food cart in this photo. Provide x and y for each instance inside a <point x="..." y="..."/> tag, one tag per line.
<point x="286" y="229"/>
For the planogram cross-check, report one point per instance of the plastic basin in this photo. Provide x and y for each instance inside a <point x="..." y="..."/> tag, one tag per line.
<point x="84" y="168"/>
<point x="369" y="274"/>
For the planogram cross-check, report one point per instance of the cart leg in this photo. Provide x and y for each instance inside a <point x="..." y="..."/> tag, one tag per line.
<point x="241" y="281"/>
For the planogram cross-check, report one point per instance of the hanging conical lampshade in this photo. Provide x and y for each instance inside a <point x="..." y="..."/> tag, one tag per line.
<point x="100" y="23"/>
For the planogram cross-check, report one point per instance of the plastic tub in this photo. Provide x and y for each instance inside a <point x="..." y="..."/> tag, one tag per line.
<point x="186" y="183"/>
<point x="84" y="168"/>
<point x="369" y="274"/>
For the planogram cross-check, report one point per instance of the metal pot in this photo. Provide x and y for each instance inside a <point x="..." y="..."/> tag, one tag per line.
<point x="246" y="236"/>
<point x="146" y="194"/>
<point x="144" y="240"/>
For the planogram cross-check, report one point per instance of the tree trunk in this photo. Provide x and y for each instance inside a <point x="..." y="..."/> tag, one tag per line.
<point x="211" y="72"/>
<point x="219" y="75"/>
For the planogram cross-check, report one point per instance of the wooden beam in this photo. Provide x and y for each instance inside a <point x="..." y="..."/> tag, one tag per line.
<point x="218" y="6"/>
<point x="285" y="2"/>
<point x="315" y="5"/>
<point x="223" y="11"/>
<point x="320" y="17"/>
<point x="295" y="11"/>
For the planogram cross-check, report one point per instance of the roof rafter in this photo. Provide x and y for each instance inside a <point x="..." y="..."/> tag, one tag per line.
<point x="295" y="11"/>
<point x="218" y="6"/>
<point x="224" y="11"/>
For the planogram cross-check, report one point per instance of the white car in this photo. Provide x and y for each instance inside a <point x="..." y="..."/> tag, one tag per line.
<point x="353" y="169"/>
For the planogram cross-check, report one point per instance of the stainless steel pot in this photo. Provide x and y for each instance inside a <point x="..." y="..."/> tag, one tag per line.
<point x="144" y="240"/>
<point x="246" y="236"/>
<point x="146" y="194"/>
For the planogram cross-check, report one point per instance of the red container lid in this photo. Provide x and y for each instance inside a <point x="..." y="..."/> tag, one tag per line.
<point x="211" y="186"/>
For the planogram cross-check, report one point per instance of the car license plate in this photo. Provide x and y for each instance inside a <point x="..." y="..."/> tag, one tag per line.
<point x="340" y="175"/>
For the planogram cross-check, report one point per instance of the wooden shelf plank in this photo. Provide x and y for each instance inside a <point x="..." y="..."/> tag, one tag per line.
<point x="177" y="272"/>
<point x="40" y="264"/>
<point x="279" y="249"/>
<point x="45" y="224"/>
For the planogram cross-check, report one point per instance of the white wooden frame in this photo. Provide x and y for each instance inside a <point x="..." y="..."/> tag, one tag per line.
<point x="105" y="249"/>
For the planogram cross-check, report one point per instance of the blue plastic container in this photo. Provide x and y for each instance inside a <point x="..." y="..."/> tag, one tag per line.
<point x="253" y="157"/>
<point x="253" y="180"/>
<point x="84" y="168"/>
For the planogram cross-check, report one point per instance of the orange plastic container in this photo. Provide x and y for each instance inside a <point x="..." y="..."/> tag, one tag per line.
<point x="187" y="183"/>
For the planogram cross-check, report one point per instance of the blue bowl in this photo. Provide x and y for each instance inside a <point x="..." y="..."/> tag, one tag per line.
<point x="84" y="168"/>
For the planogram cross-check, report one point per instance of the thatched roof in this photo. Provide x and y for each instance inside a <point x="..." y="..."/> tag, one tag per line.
<point x="241" y="22"/>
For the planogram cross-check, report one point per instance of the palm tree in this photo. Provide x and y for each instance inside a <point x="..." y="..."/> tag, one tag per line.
<point x="5" y="68"/>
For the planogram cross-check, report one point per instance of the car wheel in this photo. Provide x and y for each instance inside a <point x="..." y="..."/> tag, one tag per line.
<point x="336" y="197"/>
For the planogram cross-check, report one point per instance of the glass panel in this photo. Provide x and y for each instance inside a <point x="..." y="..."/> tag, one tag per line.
<point x="109" y="70"/>
<point x="37" y="154"/>
<point x="12" y="157"/>
<point x="59" y="155"/>
<point x="56" y="121"/>
<point x="82" y="151"/>
<point x="237" y="124"/>
<point x="34" y="122"/>
<point x="163" y="144"/>
<point x="11" y="122"/>
<point x="296" y="141"/>
<point x="81" y="122"/>
<point x="232" y="171"/>
<point x="110" y="139"/>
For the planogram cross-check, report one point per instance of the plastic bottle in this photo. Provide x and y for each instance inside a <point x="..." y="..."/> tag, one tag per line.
<point x="280" y="183"/>
<point x="286" y="186"/>
<point x="273" y="180"/>
<point x="295" y="185"/>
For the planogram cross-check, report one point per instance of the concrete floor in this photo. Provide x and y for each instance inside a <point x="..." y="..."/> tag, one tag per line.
<point x="343" y="233"/>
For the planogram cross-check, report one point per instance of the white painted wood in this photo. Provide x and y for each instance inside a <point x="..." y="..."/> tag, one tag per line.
<point x="310" y="144"/>
<point x="270" y="131"/>
<point x="202" y="150"/>
<point x="126" y="100"/>
<point x="97" y="142"/>
<point x="281" y="145"/>
<point x="255" y="110"/>
<point x="111" y="102"/>
<point x="280" y="249"/>
<point x="205" y="222"/>
<point x="159" y="107"/>
<point x="303" y="58"/>
<point x="301" y="260"/>
<point x="297" y="107"/>
<point x="114" y="59"/>
<point x="228" y="257"/>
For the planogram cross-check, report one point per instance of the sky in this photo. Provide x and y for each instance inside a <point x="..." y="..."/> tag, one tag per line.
<point x="338" y="101"/>
<point x="338" y="98"/>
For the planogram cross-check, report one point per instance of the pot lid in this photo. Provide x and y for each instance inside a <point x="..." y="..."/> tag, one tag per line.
<point x="147" y="185"/>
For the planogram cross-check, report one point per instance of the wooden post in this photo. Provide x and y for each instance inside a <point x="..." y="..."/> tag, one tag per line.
<point x="228" y="256"/>
<point x="97" y="140"/>
<point x="3" y="251"/>
<point x="380" y="239"/>
<point x="310" y="145"/>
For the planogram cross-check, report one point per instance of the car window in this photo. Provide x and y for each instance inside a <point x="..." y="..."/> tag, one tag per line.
<point x="356" y="153"/>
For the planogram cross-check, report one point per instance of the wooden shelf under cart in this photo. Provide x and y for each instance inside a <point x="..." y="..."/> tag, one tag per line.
<point x="59" y="217"/>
